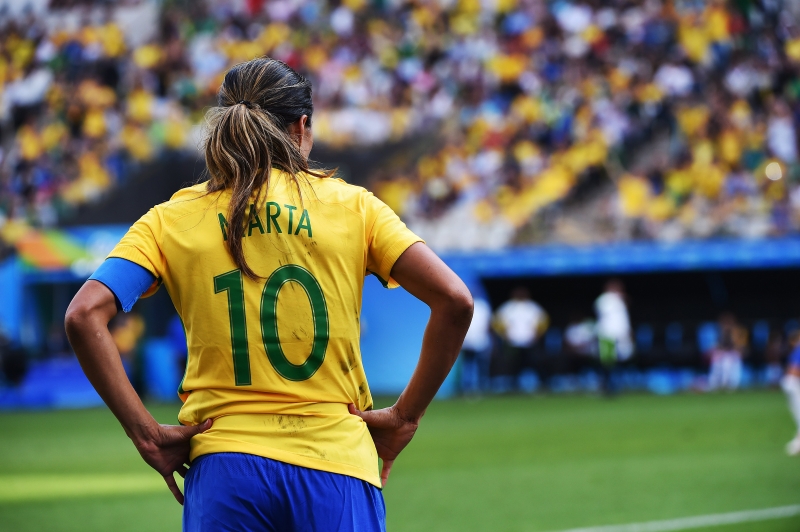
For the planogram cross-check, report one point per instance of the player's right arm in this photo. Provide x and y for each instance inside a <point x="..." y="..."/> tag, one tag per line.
<point x="430" y="280"/>
<point x="164" y="447"/>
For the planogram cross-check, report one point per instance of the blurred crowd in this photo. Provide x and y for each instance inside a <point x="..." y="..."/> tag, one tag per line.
<point x="688" y="109"/>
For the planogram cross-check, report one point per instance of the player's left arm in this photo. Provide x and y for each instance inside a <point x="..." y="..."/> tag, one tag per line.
<point x="429" y="279"/>
<point x="164" y="447"/>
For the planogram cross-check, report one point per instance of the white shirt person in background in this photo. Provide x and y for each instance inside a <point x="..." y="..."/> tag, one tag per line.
<point x="613" y="331"/>
<point x="476" y="350"/>
<point x="519" y="321"/>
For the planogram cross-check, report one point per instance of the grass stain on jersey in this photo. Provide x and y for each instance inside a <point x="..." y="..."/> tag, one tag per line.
<point x="351" y="362"/>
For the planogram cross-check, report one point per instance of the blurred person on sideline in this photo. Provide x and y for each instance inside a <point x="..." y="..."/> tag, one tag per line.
<point x="268" y="442"/>
<point x="613" y="332"/>
<point x="791" y="386"/>
<point x="519" y="322"/>
<point x="726" y="357"/>
<point x="477" y="349"/>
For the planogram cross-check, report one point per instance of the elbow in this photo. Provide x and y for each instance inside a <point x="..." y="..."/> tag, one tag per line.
<point x="76" y="315"/>
<point x="454" y="305"/>
<point x="460" y="306"/>
<point x="81" y="314"/>
<point x="92" y="306"/>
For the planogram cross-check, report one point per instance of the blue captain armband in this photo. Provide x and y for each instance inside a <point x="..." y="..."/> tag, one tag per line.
<point x="126" y="279"/>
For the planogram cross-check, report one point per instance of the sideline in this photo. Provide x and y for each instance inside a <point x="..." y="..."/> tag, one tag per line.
<point x="686" y="523"/>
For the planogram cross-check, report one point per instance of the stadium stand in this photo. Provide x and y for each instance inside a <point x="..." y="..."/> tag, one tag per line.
<point x="555" y="121"/>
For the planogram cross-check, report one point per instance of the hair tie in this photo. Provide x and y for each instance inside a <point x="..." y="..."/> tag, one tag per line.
<point x="249" y="104"/>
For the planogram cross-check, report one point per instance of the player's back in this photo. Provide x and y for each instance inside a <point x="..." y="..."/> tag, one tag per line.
<point x="275" y="360"/>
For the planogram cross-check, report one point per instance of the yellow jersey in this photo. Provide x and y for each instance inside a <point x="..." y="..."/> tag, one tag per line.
<point x="274" y="361"/>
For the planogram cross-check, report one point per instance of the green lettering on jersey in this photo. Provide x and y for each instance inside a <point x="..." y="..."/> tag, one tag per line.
<point x="291" y="208"/>
<point x="223" y="225"/>
<point x="269" y="322"/>
<point x="255" y="221"/>
<point x="305" y="223"/>
<point x="273" y="218"/>
<point x="231" y="283"/>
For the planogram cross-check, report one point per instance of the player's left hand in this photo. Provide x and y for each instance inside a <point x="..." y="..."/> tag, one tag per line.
<point x="390" y="432"/>
<point x="167" y="451"/>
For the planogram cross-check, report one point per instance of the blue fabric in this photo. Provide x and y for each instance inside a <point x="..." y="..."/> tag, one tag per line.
<point x="794" y="358"/>
<point x="126" y="279"/>
<point x="246" y="493"/>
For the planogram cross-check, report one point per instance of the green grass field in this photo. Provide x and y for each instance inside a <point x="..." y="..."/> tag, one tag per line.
<point x="496" y="464"/>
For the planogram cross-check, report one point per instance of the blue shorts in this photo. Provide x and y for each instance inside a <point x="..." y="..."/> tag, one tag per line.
<point x="247" y="493"/>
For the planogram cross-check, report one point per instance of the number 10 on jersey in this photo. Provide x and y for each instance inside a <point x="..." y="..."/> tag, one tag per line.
<point x="232" y="283"/>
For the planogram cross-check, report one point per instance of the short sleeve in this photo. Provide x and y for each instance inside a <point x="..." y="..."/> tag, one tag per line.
<point x="142" y="245"/>
<point x="387" y="239"/>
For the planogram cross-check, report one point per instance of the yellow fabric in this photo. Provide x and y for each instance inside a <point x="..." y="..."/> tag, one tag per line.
<point x="649" y="93"/>
<point x="693" y="119"/>
<point x="338" y="233"/>
<point x="53" y="133"/>
<point x="634" y="195"/>
<point x="661" y="208"/>
<point x="94" y="124"/>
<point x="679" y="181"/>
<point x="703" y="152"/>
<point x="695" y="42"/>
<point x="136" y="142"/>
<point x="30" y="145"/>
<point x="395" y="194"/>
<point x="147" y="56"/>
<point x="508" y="67"/>
<point x="792" y="49"/>
<point x="140" y="105"/>
<point x="730" y="147"/>
<point x="717" y="24"/>
<point x="709" y="179"/>
<point x="92" y="180"/>
<point x="527" y="108"/>
<point x="113" y="40"/>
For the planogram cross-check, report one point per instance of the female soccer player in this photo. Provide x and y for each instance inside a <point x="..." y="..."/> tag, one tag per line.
<point x="265" y="264"/>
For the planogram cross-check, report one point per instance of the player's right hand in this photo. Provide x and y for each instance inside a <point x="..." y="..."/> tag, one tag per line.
<point x="166" y="449"/>
<point x="390" y="432"/>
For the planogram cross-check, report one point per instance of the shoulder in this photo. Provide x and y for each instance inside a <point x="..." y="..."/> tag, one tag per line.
<point x="357" y="199"/>
<point x="336" y="189"/>
<point x="195" y="191"/>
<point x="535" y="307"/>
<point x="528" y="308"/>
<point x="184" y="202"/>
